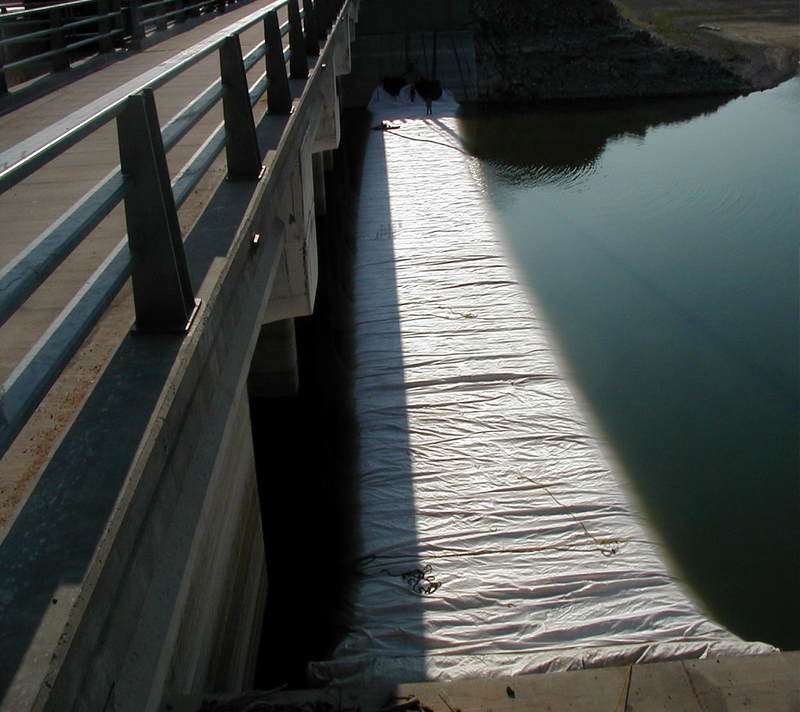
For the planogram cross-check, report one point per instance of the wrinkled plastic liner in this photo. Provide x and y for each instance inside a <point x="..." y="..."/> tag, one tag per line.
<point x="496" y="539"/>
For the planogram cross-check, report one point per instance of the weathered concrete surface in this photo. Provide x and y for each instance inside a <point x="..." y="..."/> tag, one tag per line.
<point x="524" y="51"/>
<point x="764" y="682"/>
<point x="273" y="370"/>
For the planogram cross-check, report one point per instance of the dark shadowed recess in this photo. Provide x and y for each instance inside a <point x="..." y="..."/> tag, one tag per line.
<point x="306" y="448"/>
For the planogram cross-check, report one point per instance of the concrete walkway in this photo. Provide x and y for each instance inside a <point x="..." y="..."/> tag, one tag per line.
<point x="38" y="201"/>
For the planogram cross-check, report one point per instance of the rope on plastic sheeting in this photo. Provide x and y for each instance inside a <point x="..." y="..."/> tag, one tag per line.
<point x="428" y="140"/>
<point x="421" y="580"/>
<point x="607" y="547"/>
<point x="387" y="128"/>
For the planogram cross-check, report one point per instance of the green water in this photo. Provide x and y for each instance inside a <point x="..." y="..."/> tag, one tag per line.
<point x="661" y="240"/>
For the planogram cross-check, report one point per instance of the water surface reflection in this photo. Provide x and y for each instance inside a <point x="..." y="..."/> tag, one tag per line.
<point x="661" y="239"/>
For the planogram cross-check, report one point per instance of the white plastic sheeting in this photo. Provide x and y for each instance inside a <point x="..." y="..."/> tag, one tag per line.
<point x="496" y="539"/>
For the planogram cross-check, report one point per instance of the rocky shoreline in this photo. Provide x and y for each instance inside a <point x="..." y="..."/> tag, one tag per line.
<point x="574" y="49"/>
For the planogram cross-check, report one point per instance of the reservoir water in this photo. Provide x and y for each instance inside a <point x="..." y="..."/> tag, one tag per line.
<point x="661" y="240"/>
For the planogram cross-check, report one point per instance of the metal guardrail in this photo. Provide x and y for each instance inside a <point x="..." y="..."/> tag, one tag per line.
<point x="52" y="35"/>
<point x="152" y="252"/>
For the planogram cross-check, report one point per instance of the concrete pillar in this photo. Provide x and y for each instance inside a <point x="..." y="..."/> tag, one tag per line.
<point x="273" y="370"/>
<point x="217" y="640"/>
<point x="329" y="128"/>
<point x="320" y="206"/>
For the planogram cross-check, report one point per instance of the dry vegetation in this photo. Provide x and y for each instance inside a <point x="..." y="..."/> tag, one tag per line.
<point x="747" y="35"/>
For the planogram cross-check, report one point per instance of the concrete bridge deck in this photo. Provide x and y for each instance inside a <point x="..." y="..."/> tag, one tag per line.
<point x="131" y="547"/>
<point x="38" y="201"/>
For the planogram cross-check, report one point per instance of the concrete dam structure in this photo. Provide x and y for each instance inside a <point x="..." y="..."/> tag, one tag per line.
<point x="163" y="249"/>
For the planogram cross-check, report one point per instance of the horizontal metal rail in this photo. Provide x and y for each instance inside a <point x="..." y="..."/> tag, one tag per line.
<point x="22" y="276"/>
<point x="128" y="20"/>
<point x="46" y="8"/>
<point x="20" y="39"/>
<point x="34" y="375"/>
<point x="29" y="155"/>
<point x="58" y="52"/>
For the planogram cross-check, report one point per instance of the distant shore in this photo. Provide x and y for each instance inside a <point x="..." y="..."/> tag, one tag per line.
<point x="758" y="40"/>
<point x="598" y="49"/>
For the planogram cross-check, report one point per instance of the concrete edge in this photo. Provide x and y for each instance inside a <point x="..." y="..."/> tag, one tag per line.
<point x="760" y="682"/>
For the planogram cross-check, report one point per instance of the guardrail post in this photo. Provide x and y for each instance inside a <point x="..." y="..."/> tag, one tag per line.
<point x="241" y="143"/>
<point x="279" y="100"/>
<point x="312" y="28"/>
<point x="162" y="23"/>
<point x="180" y="17"/>
<point x="57" y="42"/>
<point x="298" y="61"/>
<point x="117" y="22"/>
<point x="319" y="15"/>
<point x="134" y="25"/>
<point x="3" y="83"/>
<point x="326" y="7"/>
<point x="162" y="290"/>
<point x="104" y="25"/>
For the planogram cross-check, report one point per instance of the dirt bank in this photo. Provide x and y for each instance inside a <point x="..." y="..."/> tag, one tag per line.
<point x="572" y="49"/>
<point x="758" y="40"/>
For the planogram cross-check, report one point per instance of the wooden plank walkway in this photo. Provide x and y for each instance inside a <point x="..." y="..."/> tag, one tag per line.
<point x="34" y="204"/>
